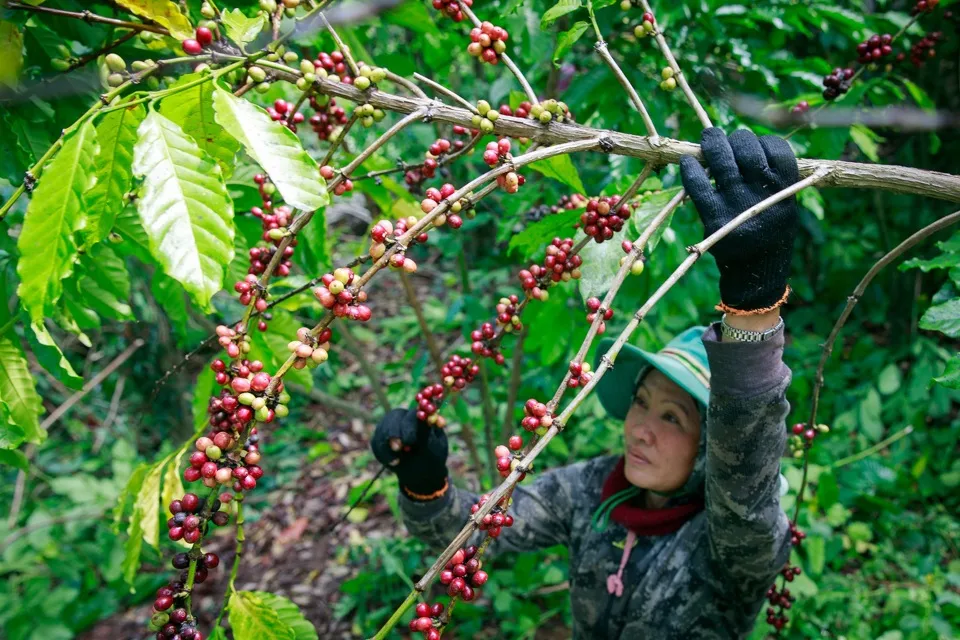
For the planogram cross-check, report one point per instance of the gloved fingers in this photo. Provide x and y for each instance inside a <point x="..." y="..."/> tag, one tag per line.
<point x="750" y="157"/>
<point x="720" y="159"/>
<point x="704" y="196"/>
<point x="437" y="443"/>
<point x="781" y="159"/>
<point x="410" y="428"/>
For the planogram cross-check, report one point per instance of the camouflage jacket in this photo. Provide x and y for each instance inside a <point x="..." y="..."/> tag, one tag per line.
<point x="706" y="580"/>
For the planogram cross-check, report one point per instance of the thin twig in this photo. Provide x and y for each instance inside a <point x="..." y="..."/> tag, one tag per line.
<point x="87" y="16"/>
<point x="869" y="451"/>
<point x="93" y="383"/>
<point x="406" y="84"/>
<point x="852" y="300"/>
<point x="363" y="495"/>
<point x="422" y="321"/>
<point x="355" y="347"/>
<point x="18" y="488"/>
<point x="328" y="157"/>
<point x="678" y="73"/>
<point x="516" y="371"/>
<point x="344" y="49"/>
<point x="439" y="88"/>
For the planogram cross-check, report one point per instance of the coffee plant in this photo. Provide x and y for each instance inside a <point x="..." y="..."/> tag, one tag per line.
<point x="195" y="159"/>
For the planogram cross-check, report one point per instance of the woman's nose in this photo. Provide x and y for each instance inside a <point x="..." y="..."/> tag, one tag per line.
<point x="642" y="431"/>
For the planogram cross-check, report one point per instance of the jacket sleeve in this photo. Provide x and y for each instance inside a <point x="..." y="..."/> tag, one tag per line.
<point x="542" y="512"/>
<point x="746" y="435"/>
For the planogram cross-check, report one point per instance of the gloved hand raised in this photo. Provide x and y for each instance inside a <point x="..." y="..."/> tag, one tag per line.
<point x="754" y="259"/>
<point x="413" y="450"/>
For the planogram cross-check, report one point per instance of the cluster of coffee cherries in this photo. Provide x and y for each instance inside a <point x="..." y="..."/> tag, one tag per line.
<point x="781" y="599"/>
<point x="558" y="265"/>
<point x="924" y="6"/>
<point x="334" y="293"/>
<point x="462" y="574"/>
<point x="494" y="521"/>
<point x="668" y="80"/>
<point x="433" y="199"/>
<point x="837" y="83"/>
<point x="282" y="111"/>
<point x="875" y="48"/>
<point x="506" y="461"/>
<point x="235" y="343"/>
<point x="431" y="396"/>
<point x="385" y="231"/>
<point x="647" y="26"/>
<point x="458" y="372"/>
<point x="536" y="418"/>
<point x="202" y="37"/>
<point x="566" y="203"/>
<point x="487" y="42"/>
<point x="485" y="117"/>
<point x="637" y="267"/>
<point x="508" y="314"/>
<point x="188" y="522"/>
<point x="343" y="186"/>
<point x="327" y="118"/>
<point x="427" y="614"/>
<point x="367" y="114"/>
<point x="580" y="374"/>
<point x="923" y="49"/>
<point x="551" y="110"/>
<point x="481" y="340"/>
<point x="800" y="108"/>
<point x="593" y="307"/>
<point x="802" y="437"/>
<point x="368" y="76"/>
<point x="603" y="217"/>
<point x="496" y="152"/>
<point x="333" y="63"/>
<point x="452" y="8"/>
<point x="312" y="350"/>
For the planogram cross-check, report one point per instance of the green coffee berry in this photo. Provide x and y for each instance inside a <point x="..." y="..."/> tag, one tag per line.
<point x="115" y="80"/>
<point x="362" y="83"/>
<point x="257" y="74"/>
<point x="482" y="107"/>
<point x="115" y="63"/>
<point x="666" y="73"/>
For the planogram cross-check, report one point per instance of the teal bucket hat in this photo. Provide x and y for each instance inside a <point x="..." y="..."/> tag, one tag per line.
<point x="683" y="360"/>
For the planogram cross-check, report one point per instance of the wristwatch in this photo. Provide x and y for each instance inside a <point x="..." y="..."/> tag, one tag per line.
<point x="743" y="335"/>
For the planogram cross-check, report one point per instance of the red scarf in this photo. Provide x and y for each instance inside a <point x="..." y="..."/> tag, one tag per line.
<point x="646" y="522"/>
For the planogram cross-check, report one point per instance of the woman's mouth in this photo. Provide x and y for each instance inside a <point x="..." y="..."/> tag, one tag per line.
<point x="637" y="458"/>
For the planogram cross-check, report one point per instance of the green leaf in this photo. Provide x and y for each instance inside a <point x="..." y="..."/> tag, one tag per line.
<point x="532" y="240"/>
<point x="129" y="490"/>
<point x="240" y="28"/>
<point x="944" y="318"/>
<point x="816" y="549"/>
<point x="275" y="148"/>
<point x="870" y="421"/>
<point x="192" y="111"/>
<point x="313" y="248"/>
<point x="951" y="376"/>
<point x="184" y="208"/>
<point x="271" y="347"/>
<point x="867" y="140"/>
<point x="170" y="296"/>
<point x="144" y="521"/>
<point x="51" y="357"/>
<point x="104" y="284"/>
<point x="11" y="435"/>
<point x="205" y="387"/>
<point x="172" y="485"/>
<point x="46" y="243"/>
<point x="650" y="205"/>
<point x="116" y="133"/>
<point x="162" y="12"/>
<point x="290" y="615"/>
<point x="17" y="389"/>
<point x="252" y="619"/>
<point x="600" y="264"/>
<point x="560" y="168"/>
<point x="11" y="53"/>
<point x="919" y="95"/>
<point x="889" y="380"/>
<point x="568" y="38"/>
<point x="560" y="9"/>
<point x="12" y="458"/>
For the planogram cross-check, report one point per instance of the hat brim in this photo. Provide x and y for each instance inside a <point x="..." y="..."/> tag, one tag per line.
<point x="616" y="388"/>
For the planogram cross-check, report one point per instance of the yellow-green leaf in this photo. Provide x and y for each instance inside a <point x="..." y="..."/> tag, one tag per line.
<point x="11" y="53"/>
<point x="275" y="148"/>
<point x="116" y="133"/>
<point x="562" y="169"/>
<point x="163" y="12"/>
<point x="252" y="619"/>
<point x="192" y="111"/>
<point x="17" y="389"/>
<point x="289" y="614"/>
<point x="184" y="207"/>
<point x="47" y="246"/>
<point x="240" y="28"/>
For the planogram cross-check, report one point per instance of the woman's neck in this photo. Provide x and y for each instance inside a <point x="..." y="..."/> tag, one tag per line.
<point x="653" y="501"/>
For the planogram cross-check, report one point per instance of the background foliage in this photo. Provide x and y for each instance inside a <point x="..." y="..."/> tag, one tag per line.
<point x="882" y="556"/>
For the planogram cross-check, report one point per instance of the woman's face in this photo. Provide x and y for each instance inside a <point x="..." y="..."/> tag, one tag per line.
<point x="661" y="435"/>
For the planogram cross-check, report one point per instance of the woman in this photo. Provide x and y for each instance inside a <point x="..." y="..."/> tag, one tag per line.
<point x="681" y="536"/>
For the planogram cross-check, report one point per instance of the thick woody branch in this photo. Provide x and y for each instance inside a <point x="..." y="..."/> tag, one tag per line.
<point x="87" y="16"/>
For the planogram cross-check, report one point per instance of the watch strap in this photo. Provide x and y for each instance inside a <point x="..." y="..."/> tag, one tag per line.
<point x="744" y="335"/>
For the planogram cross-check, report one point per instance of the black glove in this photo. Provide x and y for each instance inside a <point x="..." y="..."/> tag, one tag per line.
<point x="421" y="461"/>
<point x="754" y="259"/>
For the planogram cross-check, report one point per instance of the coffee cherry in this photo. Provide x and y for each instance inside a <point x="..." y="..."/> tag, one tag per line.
<point x="204" y="36"/>
<point x="191" y="47"/>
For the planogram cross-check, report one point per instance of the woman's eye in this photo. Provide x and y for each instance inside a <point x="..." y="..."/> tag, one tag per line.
<point x="639" y="401"/>
<point x="672" y="418"/>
